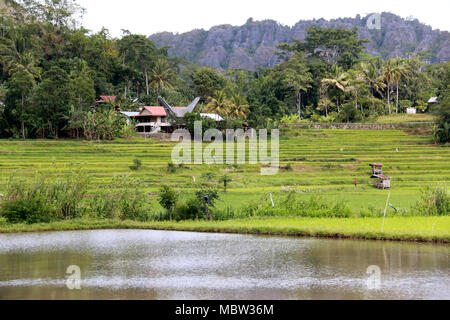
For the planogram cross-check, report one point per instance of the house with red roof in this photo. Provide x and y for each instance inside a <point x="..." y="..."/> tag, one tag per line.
<point x="154" y="119"/>
<point x="105" y="99"/>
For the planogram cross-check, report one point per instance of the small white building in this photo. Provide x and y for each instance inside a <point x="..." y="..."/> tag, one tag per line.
<point x="411" y="110"/>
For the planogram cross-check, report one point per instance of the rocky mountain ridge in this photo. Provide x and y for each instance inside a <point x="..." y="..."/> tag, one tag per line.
<point x="255" y="43"/>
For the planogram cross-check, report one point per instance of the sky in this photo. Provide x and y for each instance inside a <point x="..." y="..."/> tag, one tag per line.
<point x="152" y="16"/>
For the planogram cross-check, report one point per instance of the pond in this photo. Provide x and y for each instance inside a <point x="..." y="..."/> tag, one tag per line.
<point x="145" y="264"/>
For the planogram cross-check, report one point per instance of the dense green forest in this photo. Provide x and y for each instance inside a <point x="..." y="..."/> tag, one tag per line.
<point x="52" y="70"/>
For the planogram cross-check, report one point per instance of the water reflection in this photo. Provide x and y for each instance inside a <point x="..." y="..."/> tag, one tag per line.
<point x="138" y="264"/>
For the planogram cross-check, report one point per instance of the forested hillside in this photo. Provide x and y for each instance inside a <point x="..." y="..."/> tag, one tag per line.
<point x="53" y="71"/>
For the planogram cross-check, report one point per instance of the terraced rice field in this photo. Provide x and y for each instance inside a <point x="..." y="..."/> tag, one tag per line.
<point x="324" y="162"/>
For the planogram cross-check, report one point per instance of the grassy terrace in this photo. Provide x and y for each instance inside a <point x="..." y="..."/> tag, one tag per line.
<point x="319" y="165"/>
<point x="423" y="229"/>
<point x="324" y="163"/>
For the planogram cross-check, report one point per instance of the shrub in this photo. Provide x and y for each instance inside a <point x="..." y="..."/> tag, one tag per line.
<point x="435" y="201"/>
<point x="207" y="197"/>
<point x="225" y="180"/>
<point x="190" y="210"/>
<point x="137" y="164"/>
<point x="27" y="210"/>
<point x="168" y="199"/>
<point x="41" y="200"/>
<point x="171" y="168"/>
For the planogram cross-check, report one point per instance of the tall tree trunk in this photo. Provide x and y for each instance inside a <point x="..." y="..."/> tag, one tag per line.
<point x="21" y="119"/>
<point x="389" y="98"/>
<point x="397" y="98"/>
<point x="299" y="105"/>
<point x="146" y="82"/>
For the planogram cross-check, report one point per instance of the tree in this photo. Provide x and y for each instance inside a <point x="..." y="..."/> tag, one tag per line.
<point x="207" y="81"/>
<point x="398" y="72"/>
<point x="57" y="12"/>
<point x="296" y="76"/>
<point x="442" y="110"/>
<point x="82" y="85"/>
<point x="226" y="180"/>
<point x="332" y="45"/>
<point x="139" y="53"/>
<point x="168" y="199"/>
<point x="388" y="75"/>
<point x="219" y="104"/>
<point x="21" y="84"/>
<point x="162" y="75"/>
<point x="238" y="107"/>
<point x="355" y="82"/>
<point x="337" y="79"/>
<point x="53" y="97"/>
<point x="207" y="197"/>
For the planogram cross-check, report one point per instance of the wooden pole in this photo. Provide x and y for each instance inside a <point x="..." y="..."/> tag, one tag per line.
<point x="385" y="211"/>
<point x="271" y="199"/>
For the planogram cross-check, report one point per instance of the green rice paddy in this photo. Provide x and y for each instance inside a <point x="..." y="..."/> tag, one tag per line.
<point x="323" y="162"/>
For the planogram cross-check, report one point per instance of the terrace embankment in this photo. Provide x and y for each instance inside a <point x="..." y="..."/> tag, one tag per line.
<point x="361" y="126"/>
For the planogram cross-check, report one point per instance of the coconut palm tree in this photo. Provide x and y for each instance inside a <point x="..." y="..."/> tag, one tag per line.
<point x="219" y="104"/>
<point x="337" y="80"/>
<point x="388" y="76"/>
<point x="162" y="76"/>
<point x="355" y="82"/>
<point x="238" y="107"/>
<point x="398" y="72"/>
<point x="373" y="77"/>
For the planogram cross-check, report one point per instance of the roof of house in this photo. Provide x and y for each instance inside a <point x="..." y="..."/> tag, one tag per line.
<point x="107" y="99"/>
<point x="433" y="100"/>
<point x="213" y="116"/>
<point x="129" y="114"/>
<point x="376" y="165"/>
<point x="153" y="111"/>
<point x="381" y="176"/>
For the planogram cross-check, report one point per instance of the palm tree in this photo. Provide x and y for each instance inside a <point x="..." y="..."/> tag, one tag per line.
<point x="373" y="77"/>
<point x="162" y="76"/>
<point x="219" y="104"/>
<point x="388" y="76"/>
<point x="398" y="72"/>
<point x="338" y="80"/>
<point x="355" y="82"/>
<point x="238" y="107"/>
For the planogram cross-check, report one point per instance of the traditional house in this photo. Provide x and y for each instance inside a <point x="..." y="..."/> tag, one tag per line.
<point x="381" y="181"/>
<point x="154" y="119"/>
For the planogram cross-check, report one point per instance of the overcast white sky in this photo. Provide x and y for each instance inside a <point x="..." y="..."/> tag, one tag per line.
<point x="151" y="16"/>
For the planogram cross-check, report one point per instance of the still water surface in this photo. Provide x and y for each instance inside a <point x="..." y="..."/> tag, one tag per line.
<point x="140" y="264"/>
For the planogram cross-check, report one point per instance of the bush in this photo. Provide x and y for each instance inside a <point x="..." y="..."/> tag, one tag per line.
<point x="137" y="164"/>
<point x="190" y="210"/>
<point x="41" y="200"/>
<point x="435" y="201"/>
<point x="28" y="210"/>
<point x="168" y="199"/>
<point x="171" y="168"/>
